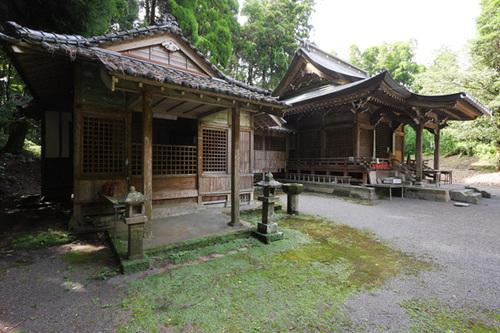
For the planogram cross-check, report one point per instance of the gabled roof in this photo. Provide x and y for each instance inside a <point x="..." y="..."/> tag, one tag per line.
<point x="461" y="105"/>
<point x="74" y="47"/>
<point x="328" y="66"/>
<point x="330" y="63"/>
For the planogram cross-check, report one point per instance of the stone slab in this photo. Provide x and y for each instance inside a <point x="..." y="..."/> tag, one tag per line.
<point x="342" y="190"/>
<point x="466" y="195"/>
<point x="427" y="193"/>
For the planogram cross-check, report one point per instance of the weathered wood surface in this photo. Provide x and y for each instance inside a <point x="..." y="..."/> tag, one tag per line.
<point x="147" y="156"/>
<point x="235" y="166"/>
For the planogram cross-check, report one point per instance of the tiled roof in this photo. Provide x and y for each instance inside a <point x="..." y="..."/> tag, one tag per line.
<point x="408" y="97"/>
<point x="330" y="62"/>
<point x="75" y="46"/>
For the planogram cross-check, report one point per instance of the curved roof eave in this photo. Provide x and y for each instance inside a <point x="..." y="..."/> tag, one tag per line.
<point x="410" y="98"/>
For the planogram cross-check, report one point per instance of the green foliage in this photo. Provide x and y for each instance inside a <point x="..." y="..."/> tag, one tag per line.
<point x="269" y="38"/>
<point x="445" y="76"/>
<point x="41" y="239"/>
<point x="433" y="316"/>
<point x="211" y="26"/>
<point x="84" y="17"/>
<point x="427" y="142"/>
<point x="397" y="58"/>
<point x="296" y="284"/>
<point x="486" y="47"/>
<point x="32" y="148"/>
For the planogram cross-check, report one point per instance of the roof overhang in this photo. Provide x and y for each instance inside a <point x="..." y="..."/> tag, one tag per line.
<point x="381" y="90"/>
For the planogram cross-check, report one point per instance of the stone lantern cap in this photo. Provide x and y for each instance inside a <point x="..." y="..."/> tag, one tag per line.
<point x="269" y="181"/>
<point x="132" y="198"/>
<point x="293" y="188"/>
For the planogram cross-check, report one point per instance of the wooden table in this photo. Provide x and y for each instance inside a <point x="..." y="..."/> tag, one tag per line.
<point x="390" y="187"/>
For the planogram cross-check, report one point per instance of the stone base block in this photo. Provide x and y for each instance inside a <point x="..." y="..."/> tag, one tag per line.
<point x="268" y="238"/>
<point x="268" y="228"/>
<point x="468" y="196"/>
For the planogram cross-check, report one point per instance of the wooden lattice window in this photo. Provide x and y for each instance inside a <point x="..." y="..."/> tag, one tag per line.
<point x="258" y="142"/>
<point x="104" y="149"/>
<point x="214" y="150"/>
<point x="275" y="143"/>
<point x="167" y="160"/>
<point x="136" y="163"/>
<point x="174" y="160"/>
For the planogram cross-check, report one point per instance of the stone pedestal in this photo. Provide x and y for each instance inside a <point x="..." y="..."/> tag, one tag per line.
<point x="292" y="191"/>
<point x="136" y="236"/>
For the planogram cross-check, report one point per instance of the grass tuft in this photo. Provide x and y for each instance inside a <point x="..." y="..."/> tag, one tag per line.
<point x="430" y="315"/>
<point x="41" y="239"/>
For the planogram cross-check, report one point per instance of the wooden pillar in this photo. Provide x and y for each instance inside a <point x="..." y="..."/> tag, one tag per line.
<point x="235" y="166"/>
<point x="322" y="133"/>
<point x="419" y="129"/>
<point x="374" y="147"/>
<point x="355" y="135"/>
<point x="147" y="160"/>
<point x="436" y="148"/>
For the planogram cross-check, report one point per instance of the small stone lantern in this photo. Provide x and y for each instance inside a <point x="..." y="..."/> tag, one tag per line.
<point x="135" y="219"/>
<point x="130" y="209"/>
<point x="267" y="229"/>
<point x="292" y="197"/>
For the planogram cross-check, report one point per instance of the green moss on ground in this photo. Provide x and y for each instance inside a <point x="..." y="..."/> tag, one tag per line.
<point x="41" y="239"/>
<point x="430" y="315"/>
<point x="296" y="284"/>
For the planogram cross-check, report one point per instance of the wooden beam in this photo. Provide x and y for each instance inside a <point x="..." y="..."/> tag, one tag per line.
<point x="158" y="102"/>
<point x="235" y="166"/>
<point x="147" y="159"/>
<point x="195" y="108"/>
<point x="209" y="112"/>
<point x="175" y="106"/>
<point x="127" y="83"/>
<point x="355" y="135"/>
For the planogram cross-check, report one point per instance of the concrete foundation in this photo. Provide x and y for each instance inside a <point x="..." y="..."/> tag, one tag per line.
<point x="341" y="190"/>
<point x="427" y="193"/>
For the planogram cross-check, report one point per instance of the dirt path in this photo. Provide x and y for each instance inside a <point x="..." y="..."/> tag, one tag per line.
<point x="57" y="288"/>
<point x="463" y="242"/>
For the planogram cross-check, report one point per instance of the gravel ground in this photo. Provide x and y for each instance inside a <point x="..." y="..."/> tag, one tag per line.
<point x="41" y="292"/>
<point x="463" y="242"/>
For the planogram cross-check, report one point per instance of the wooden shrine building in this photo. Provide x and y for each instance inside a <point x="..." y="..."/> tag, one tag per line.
<point x="139" y="107"/>
<point x="342" y="124"/>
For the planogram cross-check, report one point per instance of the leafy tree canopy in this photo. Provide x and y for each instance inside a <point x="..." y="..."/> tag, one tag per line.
<point x="211" y="26"/>
<point x="397" y="58"/>
<point x="487" y="46"/>
<point x="270" y="37"/>
<point x="84" y="17"/>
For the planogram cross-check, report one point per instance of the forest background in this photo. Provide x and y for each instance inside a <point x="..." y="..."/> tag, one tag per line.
<point x="258" y="50"/>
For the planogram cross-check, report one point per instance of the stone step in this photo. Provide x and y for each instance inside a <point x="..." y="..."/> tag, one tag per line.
<point x="484" y="194"/>
<point x="465" y="195"/>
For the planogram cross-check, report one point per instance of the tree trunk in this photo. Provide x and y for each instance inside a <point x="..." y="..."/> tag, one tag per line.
<point x="17" y="133"/>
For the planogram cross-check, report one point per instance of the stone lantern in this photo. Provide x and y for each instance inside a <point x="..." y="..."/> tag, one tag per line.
<point x="130" y="209"/>
<point x="135" y="219"/>
<point x="292" y="197"/>
<point x="267" y="229"/>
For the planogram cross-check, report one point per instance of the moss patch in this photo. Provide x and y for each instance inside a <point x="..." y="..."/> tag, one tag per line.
<point x="296" y="284"/>
<point x="41" y="239"/>
<point x="430" y="316"/>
